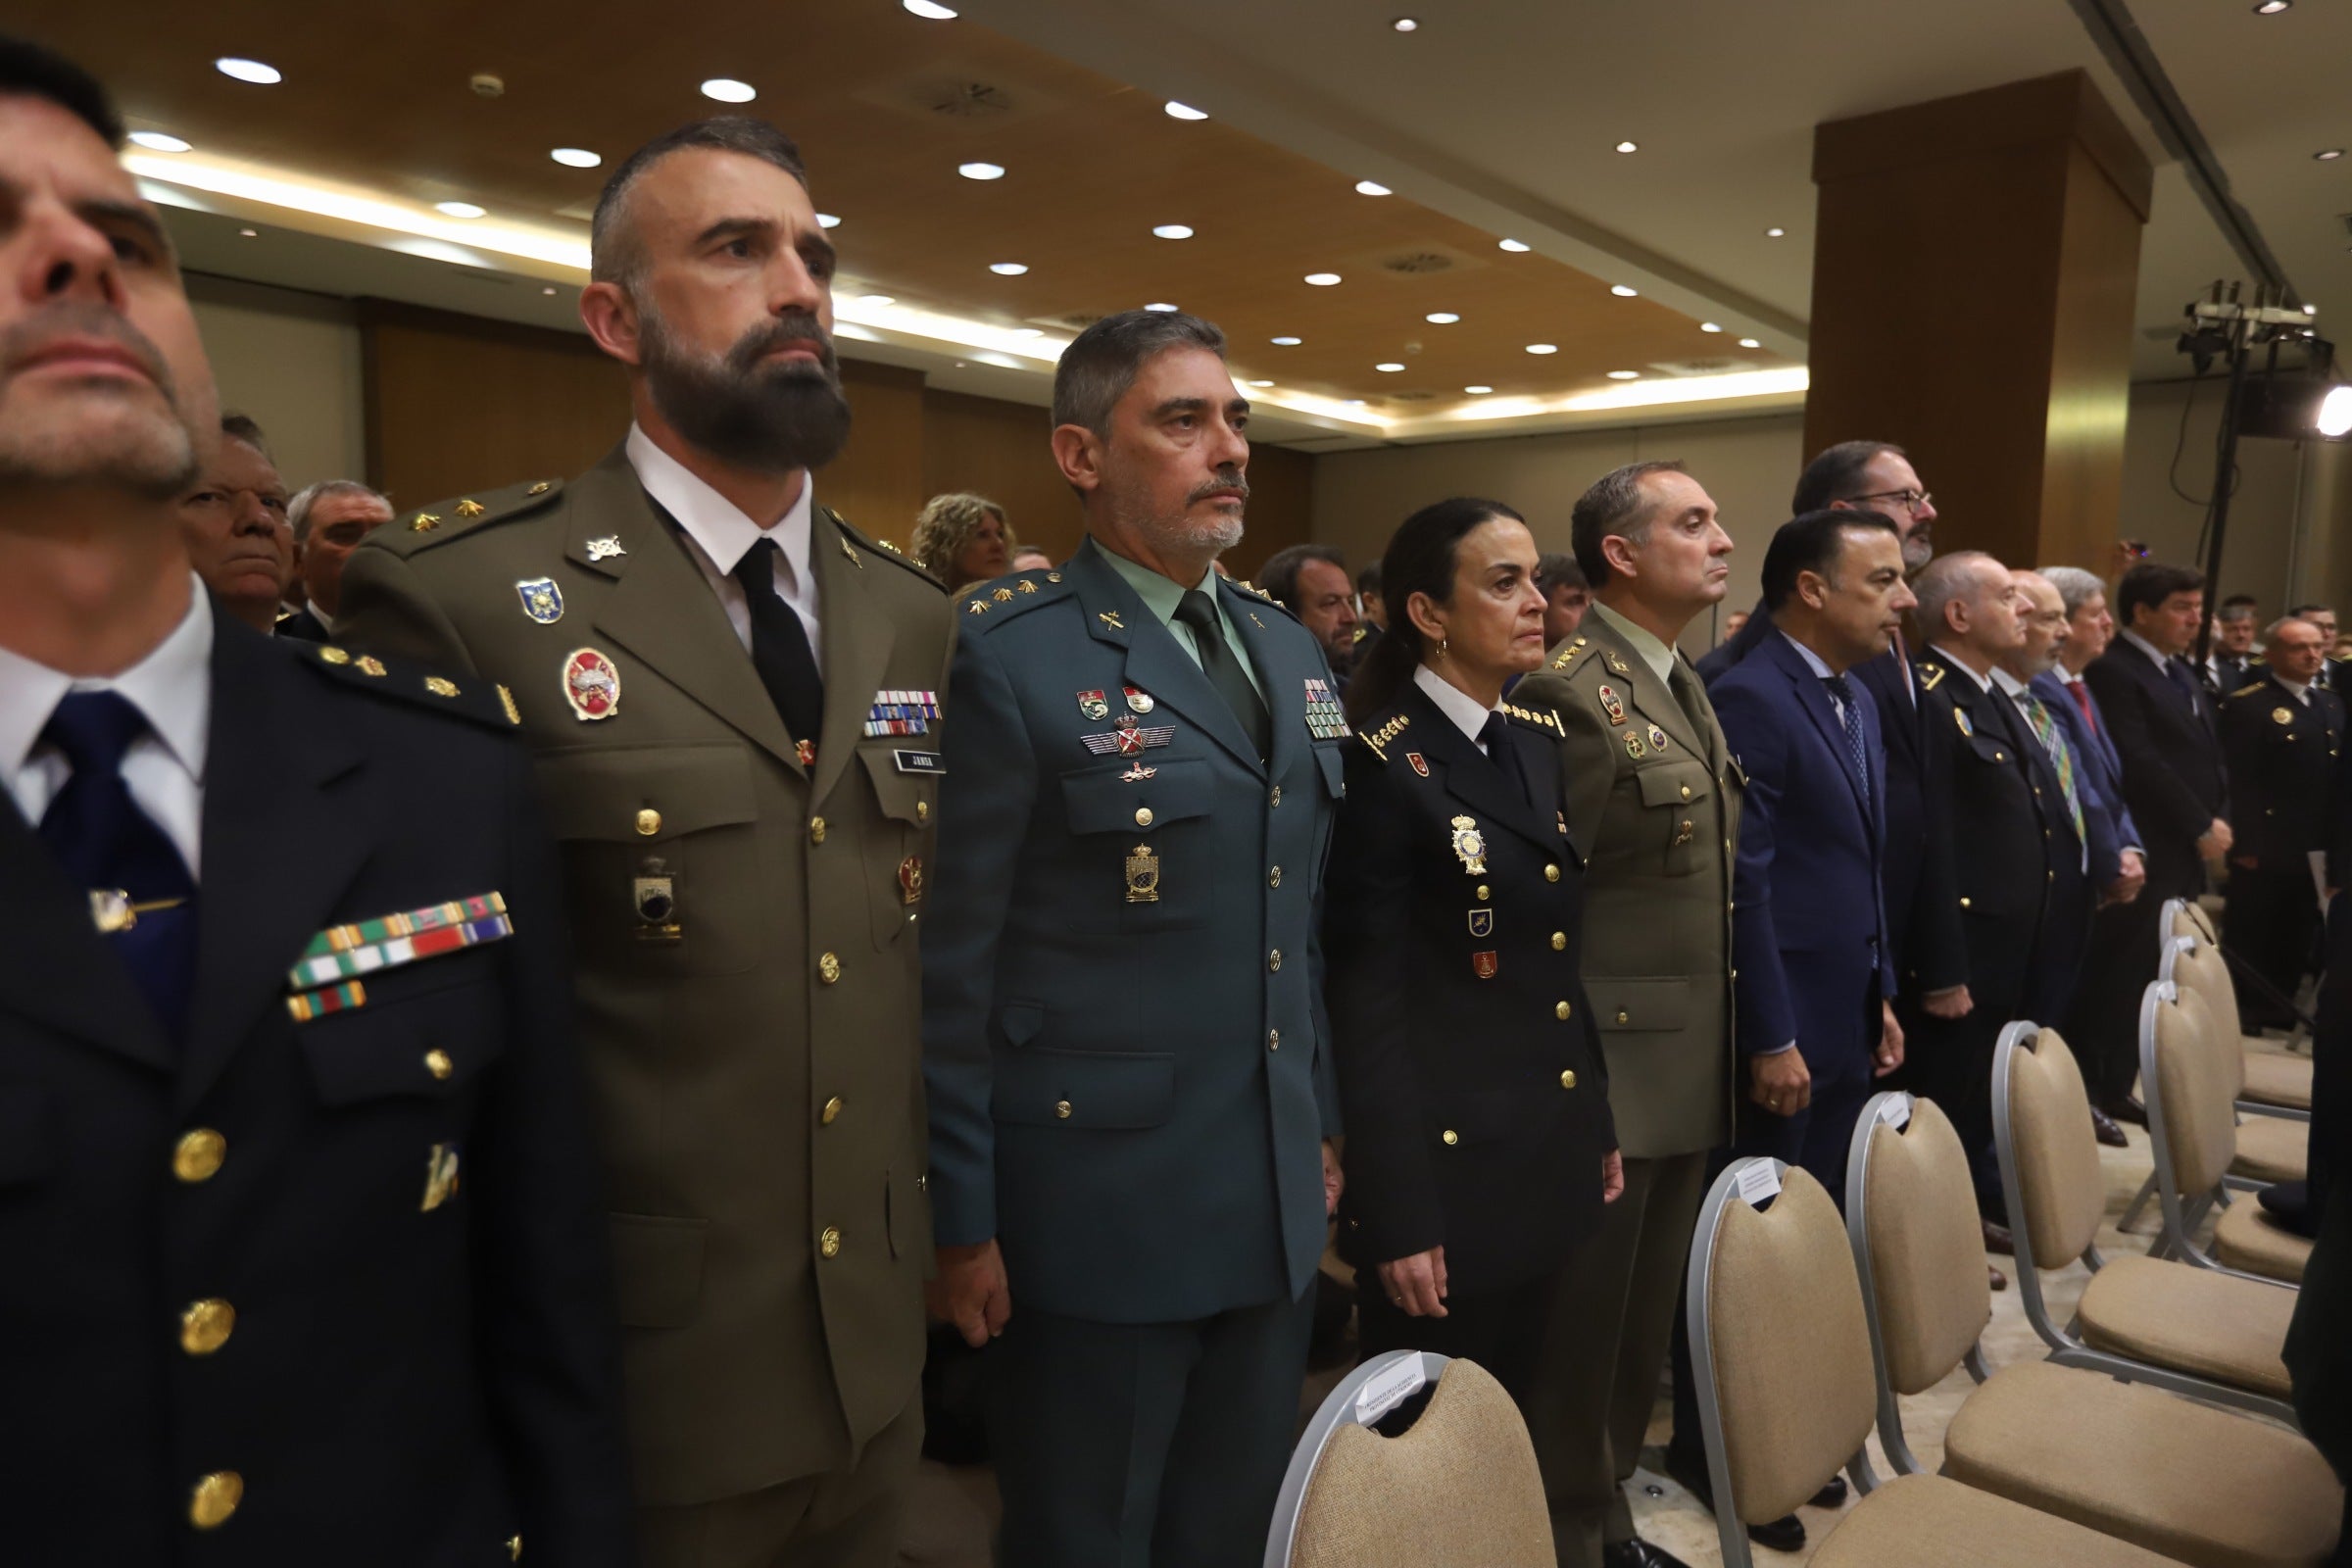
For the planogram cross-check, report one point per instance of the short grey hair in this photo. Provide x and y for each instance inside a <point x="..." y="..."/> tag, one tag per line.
<point x="2076" y="587"/>
<point x="1947" y="580"/>
<point x="1096" y="369"/>
<point x="298" y="510"/>
<point x="613" y="254"/>
<point x="1616" y="503"/>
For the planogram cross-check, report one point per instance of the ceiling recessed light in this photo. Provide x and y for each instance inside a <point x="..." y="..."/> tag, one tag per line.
<point x="928" y="10"/>
<point x="1358" y="403"/>
<point x="1478" y="391"/>
<point x="981" y="170"/>
<point x="249" y="233"/>
<point x="548" y="289"/>
<point x="1372" y="187"/>
<point x="1173" y="230"/>
<point x="1624" y="375"/>
<point x="1388" y="367"/>
<point x="1749" y="343"/>
<point x="577" y="157"/>
<point x="1441" y="317"/>
<point x="1177" y="111"/>
<point x="1709" y="326"/>
<point x="877" y="301"/>
<point x="727" y="90"/>
<point x="1162" y="309"/>
<point x="1261" y="383"/>
<point x="1623" y="292"/>
<point x="1775" y="233"/>
<point x="156" y="141"/>
<point x="2311" y="309"/>
<point x="1543" y="348"/>
<point x="1323" y="280"/>
<point x="253" y="70"/>
<point x="1628" y="147"/>
<point x="1512" y="245"/>
<point x="2270" y="7"/>
<point x="1028" y="332"/>
<point x="461" y="209"/>
<point x="1405" y="25"/>
<point x="1008" y="268"/>
<point x="2328" y="155"/>
<point x="1286" y="342"/>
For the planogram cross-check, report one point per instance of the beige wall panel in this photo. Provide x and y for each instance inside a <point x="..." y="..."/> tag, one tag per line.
<point x="292" y="362"/>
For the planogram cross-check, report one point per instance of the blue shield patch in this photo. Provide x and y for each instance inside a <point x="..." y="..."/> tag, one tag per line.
<point x="542" y="600"/>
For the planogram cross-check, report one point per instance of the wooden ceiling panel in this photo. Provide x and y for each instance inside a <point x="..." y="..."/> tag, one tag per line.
<point x="886" y="106"/>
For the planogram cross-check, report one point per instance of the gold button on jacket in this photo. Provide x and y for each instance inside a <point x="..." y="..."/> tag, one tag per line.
<point x="214" y="1498"/>
<point x="205" y="1326"/>
<point x="198" y="1156"/>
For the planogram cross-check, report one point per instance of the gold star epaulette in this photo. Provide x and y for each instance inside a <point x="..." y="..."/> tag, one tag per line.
<point x="1008" y="596"/>
<point x="444" y="520"/>
<point x="1567" y="655"/>
<point x="1377" y="738"/>
<point x="856" y="547"/>
<point x="483" y="701"/>
<point x="1931" y="677"/>
<point x="1544" y="718"/>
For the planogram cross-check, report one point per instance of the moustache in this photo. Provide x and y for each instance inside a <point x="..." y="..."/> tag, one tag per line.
<point x="80" y="318"/>
<point x="796" y="327"/>
<point x="1226" y="479"/>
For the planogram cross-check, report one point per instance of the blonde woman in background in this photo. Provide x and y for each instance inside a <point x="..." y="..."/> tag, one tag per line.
<point x="963" y="539"/>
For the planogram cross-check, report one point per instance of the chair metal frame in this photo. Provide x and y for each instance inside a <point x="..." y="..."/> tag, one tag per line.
<point x="1336" y="1410"/>
<point x="2183" y="1214"/>
<point x="1857" y="1231"/>
<point x="1731" y="1531"/>
<point x="2067" y="1348"/>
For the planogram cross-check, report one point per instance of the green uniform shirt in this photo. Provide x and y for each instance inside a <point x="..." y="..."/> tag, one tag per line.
<point x="1162" y="596"/>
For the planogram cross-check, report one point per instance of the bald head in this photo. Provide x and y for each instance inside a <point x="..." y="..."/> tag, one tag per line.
<point x="1968" y="607"/>
<point x="2296" y="649"/>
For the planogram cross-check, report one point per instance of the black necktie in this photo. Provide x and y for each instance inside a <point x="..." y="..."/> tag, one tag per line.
<point x="113" y="849"/>
<point x="1224" y="670"/>
<point x="780" y="650"/>
<point x="1496" y="736"/>
<point x="1843" y="690"/>
<point x="1684" y="684"/>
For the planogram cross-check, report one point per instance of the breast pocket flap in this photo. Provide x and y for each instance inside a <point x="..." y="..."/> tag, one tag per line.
<point x="1099" y="1089"/>
<point x="1677" y="784"/>
<point x="1107" y="800"/>
<point x="643" y="794"/>
<point x="431" y="1046"/>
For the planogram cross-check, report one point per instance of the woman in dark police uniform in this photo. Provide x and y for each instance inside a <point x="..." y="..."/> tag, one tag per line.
<point x="1479" y="1147"/>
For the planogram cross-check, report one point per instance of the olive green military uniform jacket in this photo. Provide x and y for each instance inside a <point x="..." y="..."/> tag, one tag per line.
<point x="1653" y="803"/>
<point x="744" y="922"/>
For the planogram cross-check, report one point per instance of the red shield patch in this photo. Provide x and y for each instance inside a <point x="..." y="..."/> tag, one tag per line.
<point x="591" y="685"/>
<point x="1484" y="963"/>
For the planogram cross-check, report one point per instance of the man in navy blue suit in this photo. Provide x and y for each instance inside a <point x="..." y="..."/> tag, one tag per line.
<point x="1816" y="976"/>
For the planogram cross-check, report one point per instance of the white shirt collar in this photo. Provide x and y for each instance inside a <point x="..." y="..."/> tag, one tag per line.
<point x="2146" y="647"/>
<point x="2297" y="687"/>
<point x="1819" y="666"/>
<point x="711" y="520"/>
<point x="1655" y="654"/>
<point x="1454" y="703"/>
<point x="172" y="686"/>
<point x="2017" y="689"/>
<point x="1952" y="662"/>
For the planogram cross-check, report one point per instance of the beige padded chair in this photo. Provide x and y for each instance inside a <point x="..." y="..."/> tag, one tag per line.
<point x="2213" y="1336"/>
<point x="2185" y="1072"/>
<point x="1459" y="1489"/>
<point x="2186" y="917"/>
<point x="2272" y="1083"/>
<point x="1780" y="1351"/>
<point x="2273" y="1144"/>
<point x="2197" y="1483"/>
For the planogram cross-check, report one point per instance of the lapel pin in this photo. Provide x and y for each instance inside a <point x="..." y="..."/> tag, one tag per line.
<point x="606" y="549"/>
<point x="591" y="685"/>
<point x="542" y="600"/>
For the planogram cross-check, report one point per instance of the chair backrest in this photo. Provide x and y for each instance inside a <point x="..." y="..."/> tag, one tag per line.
<point x="2193" y="1076"/>
<point x="2195" y="965"/>
<point x="1459" y="1489"/>
<point x="2186" y="917"/>
<point x="1912" y="1208"/>
<point x="2062" y="1192"/>
<point x="1778" y="1308"/>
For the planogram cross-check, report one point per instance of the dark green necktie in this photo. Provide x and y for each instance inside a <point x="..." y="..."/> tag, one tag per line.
<point x="1223" y="668"/>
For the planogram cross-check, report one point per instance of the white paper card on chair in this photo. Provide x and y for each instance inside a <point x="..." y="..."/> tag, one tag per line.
<point x="1896" y="1113"/>
<point x="1385" y="1390"/>
<point x="1758" y="1182"/>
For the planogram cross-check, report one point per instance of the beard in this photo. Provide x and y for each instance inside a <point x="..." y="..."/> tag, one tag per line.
<point x="101" y="432"/>
<point x="769" y="418"/>
<point x="1919" y="548"/>
<point x="1176" y="532"/>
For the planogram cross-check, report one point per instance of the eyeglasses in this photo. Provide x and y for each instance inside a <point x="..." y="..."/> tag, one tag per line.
<point x="1912" y="500"/>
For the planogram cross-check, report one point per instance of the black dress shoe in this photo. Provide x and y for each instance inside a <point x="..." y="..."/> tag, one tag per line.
<point x="1785" y="1533"/>
<point x="1997" y="1280"/>
<point x="2131" y="1110"/>
<point x="1639" y="1553"/>
<point x="1830" y="1495"/>
<point x="1998" y="1240"/>
<point x="2108" y="1130"/>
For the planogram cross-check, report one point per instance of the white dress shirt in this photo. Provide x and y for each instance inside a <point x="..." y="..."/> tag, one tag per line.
<point x="1820" y="667"/>
<point x="718" y="534"/>
<point x="1455" y="703"/>
<point x="2302" y="693"/>
<point x="2020" y="696"/>
<point x="164" y="768"/>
